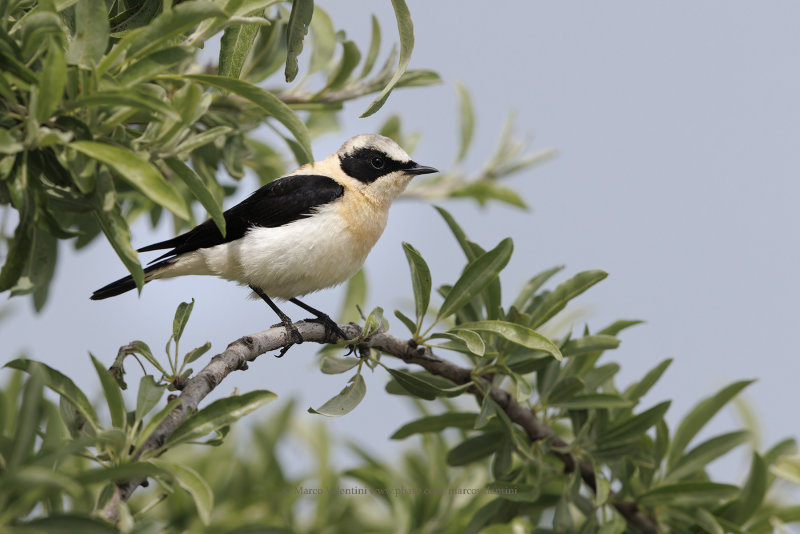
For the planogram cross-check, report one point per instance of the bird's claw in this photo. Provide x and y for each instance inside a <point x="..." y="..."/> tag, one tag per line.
<point x="331" y="328"/>
<point x="295" y="338"/>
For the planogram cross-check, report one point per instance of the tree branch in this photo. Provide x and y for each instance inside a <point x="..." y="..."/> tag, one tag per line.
<point x="246" y="349"/>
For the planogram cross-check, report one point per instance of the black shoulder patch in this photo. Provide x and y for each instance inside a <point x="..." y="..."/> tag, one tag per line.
<point x="275" y="204"/>
<point x="367" y="164"/>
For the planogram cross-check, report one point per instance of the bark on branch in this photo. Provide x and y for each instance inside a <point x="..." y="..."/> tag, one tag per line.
<point x="246" y="349"/>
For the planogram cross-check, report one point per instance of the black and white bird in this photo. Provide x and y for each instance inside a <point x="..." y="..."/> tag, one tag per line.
<point x="308" y="230"/>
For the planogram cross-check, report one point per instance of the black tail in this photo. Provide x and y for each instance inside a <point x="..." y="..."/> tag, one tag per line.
<point x="125" y="283"/>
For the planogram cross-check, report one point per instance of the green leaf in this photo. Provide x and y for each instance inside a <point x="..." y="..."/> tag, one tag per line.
<point x="443" y="386"/>
<point x="784" y="447"/>
<point x="697" y="418"/>
<point x="149" y="395"/>
<point x="458" y="233"/>
<point x="62" y="385"/>
<point x="411" y="325"/>
<point x="323" y="41"/>
<point x="235" y="46"/>
<point x="116" y="230"/>
<point x="37" y="28"/>
<point x="787" y="468"/>
<point x="406" y="29"/>
<point x="136" y="14"/>
<point x="199" y="190"/>
<point x="138" y="172"/>
<point x="687" y="493"/>
<point x="194" y="484"/>
<point x="706" y="520"/>
<point x="475" y="448"/>
<point x="633" y="427"/>
<point x="414" y="384"/>
<point x="528" y="292"/>
<point x="181" y="318"/>
<point x="153" y="64"/>
<point x="589" y="344"/>
<point x="618" y="326"/>
<point x="331" y="365"/>
<point x="556" y="300"/>
<point x="471" y="340"/>
<point x="436" y="423"/>
<point x="9" y="144"/>
<point x="296" y="31"/>
<point x="515" y="333"/>
<point x="51" y="81"/>
<point x="88" y="44"/>
<point x="18" y="251"/>
<point x="512" y="492"/>
<point x="38" y="272"/>
<point x="478" y="274"/>
<point x="345" y="401"/>
<point x="639" y="389"/>
<point x="347" y="64"/>
<point x="420" y="281"/>
<point x="124" y="471"/>
<point x="419" y="78"/>
<point x="562" y="390"/>
<point x="154" y="422"/>
<point x="167" y="26"/>
<point x="63" y="524"/>
<point x="218" y="414"/>
<point x="140" y="347"/>
<point x="355" y="296"/>
<point x="374" y="48"/>
<point x="28" y="418"/>
<point x="489" y="409"/>
<point x="594" y="401"/>
<point x="265" y="100"/>
<point x="12" y="65"/>
<point x="752" y="495"/>
<point x="597" y="377"/>
<point x="467" y="114"/>
<point x="698" y="458"/>
<point x="113" y="394"/>
<point x="201" y="139"/>
<point x="489" y="513"/>
<point x="196" y="353"/>
<point x="131" y="98"/>
<point x="485" y="190"/>
<point x="374" y="322"/>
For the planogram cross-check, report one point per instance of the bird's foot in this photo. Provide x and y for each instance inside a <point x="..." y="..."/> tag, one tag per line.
<point x="295" y="338"/>
<point x="332" y="330"/>
<point x="334" y="333"/>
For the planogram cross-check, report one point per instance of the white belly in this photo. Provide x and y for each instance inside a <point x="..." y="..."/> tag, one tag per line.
<point x="289" y="261"/>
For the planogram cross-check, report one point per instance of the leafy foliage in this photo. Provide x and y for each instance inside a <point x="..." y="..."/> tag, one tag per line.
<point x="106" y="115"/>
<point x="84" y="455"/>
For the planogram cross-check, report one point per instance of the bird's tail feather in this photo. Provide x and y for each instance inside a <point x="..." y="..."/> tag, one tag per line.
<point x="126" y="283"/>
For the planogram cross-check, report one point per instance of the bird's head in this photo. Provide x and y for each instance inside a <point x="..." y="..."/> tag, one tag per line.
<point x="377" y="166"/>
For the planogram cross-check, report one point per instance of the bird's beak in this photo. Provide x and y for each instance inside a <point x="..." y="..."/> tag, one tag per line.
<point x="419" y="169"/>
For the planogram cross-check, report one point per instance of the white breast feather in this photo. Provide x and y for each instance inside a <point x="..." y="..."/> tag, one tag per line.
<point x="289" y="261"/>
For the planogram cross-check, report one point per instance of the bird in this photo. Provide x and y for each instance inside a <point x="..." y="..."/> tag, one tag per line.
<point x="308" y="230"/>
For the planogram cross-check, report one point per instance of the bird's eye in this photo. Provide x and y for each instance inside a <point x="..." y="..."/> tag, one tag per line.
<point x="377" y="163"/>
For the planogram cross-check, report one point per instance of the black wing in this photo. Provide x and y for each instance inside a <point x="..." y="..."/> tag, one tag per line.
<point x="277" y="203"/>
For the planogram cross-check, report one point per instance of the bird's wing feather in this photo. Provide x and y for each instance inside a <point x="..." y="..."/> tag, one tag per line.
<point x="275" y="204"/>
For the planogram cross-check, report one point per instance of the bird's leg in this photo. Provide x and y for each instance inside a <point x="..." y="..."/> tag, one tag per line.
<point x="294" y="334"/>
<point x="322" y="318"/>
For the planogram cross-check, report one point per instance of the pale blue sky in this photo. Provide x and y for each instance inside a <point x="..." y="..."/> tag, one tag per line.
<point x="677" y="126"/>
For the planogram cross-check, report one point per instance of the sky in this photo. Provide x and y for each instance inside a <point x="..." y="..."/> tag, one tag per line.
<point x="676" y="126"/>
